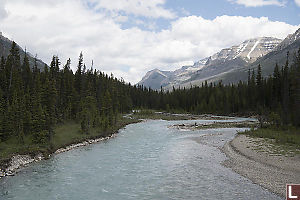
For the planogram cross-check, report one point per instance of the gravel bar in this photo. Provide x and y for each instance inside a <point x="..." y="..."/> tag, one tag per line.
<point x="272" y="172"/>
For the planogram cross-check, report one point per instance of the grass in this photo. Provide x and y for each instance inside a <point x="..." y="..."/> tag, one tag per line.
<point x="291" y="136"/>
<point x="278" y="140"/>
<point x="70" y="133"/>
<point x="65" y="134"/>
<point x="12" y="147"/>
<point x="227" y="125"/>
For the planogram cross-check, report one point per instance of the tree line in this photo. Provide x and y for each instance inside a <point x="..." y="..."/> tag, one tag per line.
<point x="33" y="101"/>
<point x="275" y="98"/>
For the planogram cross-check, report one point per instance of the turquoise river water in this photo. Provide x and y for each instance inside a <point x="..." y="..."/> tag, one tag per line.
<point x="147" y="160"/>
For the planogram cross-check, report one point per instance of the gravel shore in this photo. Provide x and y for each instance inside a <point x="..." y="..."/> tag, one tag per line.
<point x="271" y="171"/>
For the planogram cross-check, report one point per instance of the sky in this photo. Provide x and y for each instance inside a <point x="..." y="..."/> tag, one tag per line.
<point x="130" y="37"/>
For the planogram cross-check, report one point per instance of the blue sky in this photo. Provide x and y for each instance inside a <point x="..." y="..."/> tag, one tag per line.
<point x="288" y="12"/>
<point x="130" y="37"/>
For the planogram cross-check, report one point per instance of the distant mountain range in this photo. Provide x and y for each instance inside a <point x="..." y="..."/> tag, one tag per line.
<point x="5" y="46"/>
<point x="229" y="65"/>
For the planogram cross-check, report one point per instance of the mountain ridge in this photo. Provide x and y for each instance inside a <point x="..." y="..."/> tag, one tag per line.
<point x="236" y="59"/>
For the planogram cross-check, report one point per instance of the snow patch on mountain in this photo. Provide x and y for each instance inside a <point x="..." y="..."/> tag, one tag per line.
<point x="253" y="48"/>
<point x="240" y="49"/>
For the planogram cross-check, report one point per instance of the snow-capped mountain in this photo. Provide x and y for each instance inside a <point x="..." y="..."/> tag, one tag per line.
<point x="222" y="62"/>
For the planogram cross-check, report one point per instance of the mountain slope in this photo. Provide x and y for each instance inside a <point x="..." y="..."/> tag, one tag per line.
<point x="5" y="46"/>
<point x="155" y="78"/>
<point x="225" y="61"/>
<point x="290" y="44"/>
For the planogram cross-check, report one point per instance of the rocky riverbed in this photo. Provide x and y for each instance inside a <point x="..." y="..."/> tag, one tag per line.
<point x="17" y="162"/>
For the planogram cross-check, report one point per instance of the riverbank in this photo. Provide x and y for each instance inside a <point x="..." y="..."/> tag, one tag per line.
<point x="254" y="159"/>
<point x="67" y="137"/>
<point x="214" y="125"/>
<point x="155" y="115"/>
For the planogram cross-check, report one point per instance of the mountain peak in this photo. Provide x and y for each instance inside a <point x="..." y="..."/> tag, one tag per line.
<point x="289" y="40"/>
<point x="249" y="50"/>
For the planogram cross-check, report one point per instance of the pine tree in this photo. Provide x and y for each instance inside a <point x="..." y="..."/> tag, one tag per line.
<point x="259" y="85"/>
<point x="285" y="93"/>
<point x="88" y="114"/>
<point x="3" y="79"/>
<point x="2" y="118"/>
<point x="51" y="108"/>
<point x="78" y="75"/>
<point x="17" y="107"/>
<point x="276" y="87"/>
<point x="12" y="66"/>
<point x="295" y="90"/>
<point x="26" y="73"/>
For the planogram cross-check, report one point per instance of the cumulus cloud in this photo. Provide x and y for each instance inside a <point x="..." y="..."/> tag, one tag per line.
<point x="144" y="8"/>
<point x="297" y="2"/>
<point x="66" y="27"/>
<point x="257" y="3"/>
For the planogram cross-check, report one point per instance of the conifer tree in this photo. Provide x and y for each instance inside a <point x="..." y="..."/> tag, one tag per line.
<point x="78" y="75"/>
<point x="26" y="73"/>
<point x="285" y="92"/>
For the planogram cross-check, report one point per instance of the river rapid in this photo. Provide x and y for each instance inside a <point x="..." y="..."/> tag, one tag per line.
<point x="147" y="160"/>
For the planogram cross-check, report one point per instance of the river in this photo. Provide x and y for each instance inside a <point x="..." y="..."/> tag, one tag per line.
<point x="147" y="160"/>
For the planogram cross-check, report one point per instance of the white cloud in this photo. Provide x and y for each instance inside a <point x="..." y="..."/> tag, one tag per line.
<point x="66" y="27"/>
<point x="257" y="3"/>
<point x="144" y="8"/>
<point x="297" y="2"/>
<point x="3" y="12"/>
